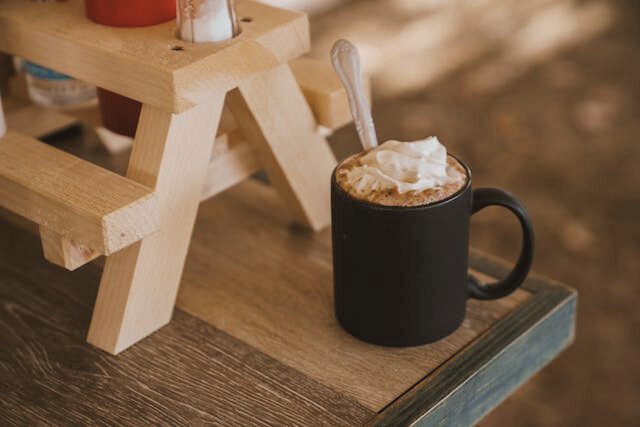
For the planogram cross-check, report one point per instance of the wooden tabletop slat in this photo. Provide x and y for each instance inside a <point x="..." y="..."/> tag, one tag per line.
<point x="252" y="276"/>
<point x="189" y="372"/>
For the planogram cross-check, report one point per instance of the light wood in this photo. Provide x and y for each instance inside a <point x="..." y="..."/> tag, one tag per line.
<point x="89" y="205"/>
<point x="232" y="165"/>
<point x="39" y="122"/>
<point x="276" y="120"/>
<point x="140" y="61"/>
<point x="271" y="286"/>
<point x="320" y="85"/>
<point x="139" y="284"/>
<point x="64" y="252"/>
<point x="227" y="124"/>
<point x="324" y="92"/>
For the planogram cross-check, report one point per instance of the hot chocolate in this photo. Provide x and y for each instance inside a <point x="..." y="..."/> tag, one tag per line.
<point x="402" y="174"/>
<point x="400" y="262"/>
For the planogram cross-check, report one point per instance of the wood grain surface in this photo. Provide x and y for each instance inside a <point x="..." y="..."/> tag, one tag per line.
<point x="64" y="252"/>
<point x="149" y="64"/>
<point x="253" y="276"/>
<point x="232" y="163"/>
<point x="277" y="122"/>
<point x="187" y="373"/>
<point x="138" y="290"/>
<point x="72" y="197"/>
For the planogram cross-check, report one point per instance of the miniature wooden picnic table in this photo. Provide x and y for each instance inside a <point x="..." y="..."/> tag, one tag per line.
<point x="143" y="222"/>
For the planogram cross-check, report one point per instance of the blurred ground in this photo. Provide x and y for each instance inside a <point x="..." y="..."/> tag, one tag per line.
<point x="541" y="98"/>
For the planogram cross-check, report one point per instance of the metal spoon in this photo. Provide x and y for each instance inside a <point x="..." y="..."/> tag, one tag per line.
<point x="346" y="62"/>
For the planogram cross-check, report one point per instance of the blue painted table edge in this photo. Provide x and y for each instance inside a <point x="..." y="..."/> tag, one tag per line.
<point x="479" y="378"/>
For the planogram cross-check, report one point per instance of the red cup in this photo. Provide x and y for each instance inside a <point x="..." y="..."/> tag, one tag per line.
<point x="130" y="13"/>
<point x="119" y="113"/>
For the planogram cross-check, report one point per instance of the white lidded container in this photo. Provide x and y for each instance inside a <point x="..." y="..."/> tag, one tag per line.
<point x="52" y="89"/>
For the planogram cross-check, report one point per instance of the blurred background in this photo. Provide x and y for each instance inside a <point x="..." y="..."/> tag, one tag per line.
<point x="540" y="97"/>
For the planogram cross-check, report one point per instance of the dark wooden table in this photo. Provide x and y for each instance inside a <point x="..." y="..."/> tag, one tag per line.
<point x="254" y="341"/>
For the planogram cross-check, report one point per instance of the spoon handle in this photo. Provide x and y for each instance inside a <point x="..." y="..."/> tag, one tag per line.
<point x="346" y="62"/>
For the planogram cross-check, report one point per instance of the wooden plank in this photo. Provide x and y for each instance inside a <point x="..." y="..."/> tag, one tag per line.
<point x="324" y="91"/>
<point x="72" y="197"/>
<point x="39" y="122"/>
<point x="481" y="377"/>
<point x="171" y="154"/>
<point x="141" y="63"/>
<point x="276" y="120"/>
<point x="252" y="276"/>
<point x="188" y="373"/>
<point x="230" y="166"/>
<point x="321" y="87"/>
<point x="64" y="252"/>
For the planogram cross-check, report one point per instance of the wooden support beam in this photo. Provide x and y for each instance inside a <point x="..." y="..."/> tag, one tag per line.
<point x="234" y="160"/>
<point x="324" y="91"/>
<point x="230" y="165"/>
<point x="64" y="252"/>
<point x="278" y="123"/>
<point x="139" y="284"/>
<point x="73" y="198"/>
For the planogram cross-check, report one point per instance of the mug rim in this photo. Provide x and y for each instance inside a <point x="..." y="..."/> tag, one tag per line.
<point x="375" y="206"/>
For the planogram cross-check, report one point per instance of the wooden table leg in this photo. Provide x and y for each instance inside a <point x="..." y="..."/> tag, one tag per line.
<point x="277" y="121"/>
<point x="139" y="284"/>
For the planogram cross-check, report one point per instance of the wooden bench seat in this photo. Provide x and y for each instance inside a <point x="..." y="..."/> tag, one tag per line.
<point x="99" y="211"/>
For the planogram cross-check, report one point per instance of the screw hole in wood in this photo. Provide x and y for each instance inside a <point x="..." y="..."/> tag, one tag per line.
<point x="246" y="19"/>
<point x="177" y="48"/>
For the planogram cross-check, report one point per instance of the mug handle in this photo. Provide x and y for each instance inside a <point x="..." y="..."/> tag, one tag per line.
<point x="483" y="197"/>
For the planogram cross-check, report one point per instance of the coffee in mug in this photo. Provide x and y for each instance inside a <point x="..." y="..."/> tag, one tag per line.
<point x="400" y="230"/>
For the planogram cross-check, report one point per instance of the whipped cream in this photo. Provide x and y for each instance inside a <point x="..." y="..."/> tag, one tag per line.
<point x="404" y="166"/>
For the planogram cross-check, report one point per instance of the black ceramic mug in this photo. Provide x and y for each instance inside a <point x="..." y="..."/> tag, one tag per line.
<point x="400" y="273"/>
